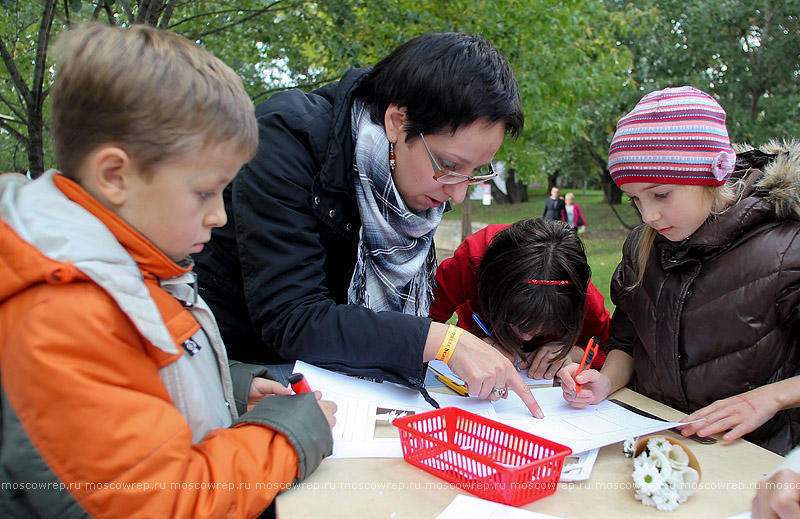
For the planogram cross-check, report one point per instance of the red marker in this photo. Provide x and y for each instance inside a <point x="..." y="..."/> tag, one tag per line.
<point x="299" y="384"/>
<point x="588" y="355"/>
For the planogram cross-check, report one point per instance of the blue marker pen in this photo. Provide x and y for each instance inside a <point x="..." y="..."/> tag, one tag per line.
<point x="477" y="319"/>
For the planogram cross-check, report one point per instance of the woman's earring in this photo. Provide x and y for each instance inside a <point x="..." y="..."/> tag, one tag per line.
<point x="392" y="161"/>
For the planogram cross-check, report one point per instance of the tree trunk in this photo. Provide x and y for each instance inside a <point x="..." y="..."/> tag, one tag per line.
<point x="37" y="94"/>
<point x="551" y="180"/>
<point x="35" y="145"/>
<point x="611" y="193"/>
<point x="149" y="12"/>
<point x="517" y="190"/>
<point x="498" y="196"/>
<point x="466" y="216"/>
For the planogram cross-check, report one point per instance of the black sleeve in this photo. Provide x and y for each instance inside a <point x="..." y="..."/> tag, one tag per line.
<point x="283" y="258"/>
<point x="621" y="332"/>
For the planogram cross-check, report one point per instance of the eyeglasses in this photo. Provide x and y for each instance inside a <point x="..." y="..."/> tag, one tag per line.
<point x="443" y="176"/>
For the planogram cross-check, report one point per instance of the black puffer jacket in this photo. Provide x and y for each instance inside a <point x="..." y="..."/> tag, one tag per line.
<point x="276" y="276"/>
<point x="719" y="314"/>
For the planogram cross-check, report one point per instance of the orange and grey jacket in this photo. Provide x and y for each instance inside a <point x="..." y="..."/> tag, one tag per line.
<point x="117" y="400"/>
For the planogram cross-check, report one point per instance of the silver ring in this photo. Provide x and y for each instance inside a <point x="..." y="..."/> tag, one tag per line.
<point x="499" y="392"/>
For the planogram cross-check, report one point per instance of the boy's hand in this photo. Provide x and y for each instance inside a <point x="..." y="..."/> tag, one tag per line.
<point x="262" y="387"/>
<point x="542" y="363"/>
<point x="328" y="408"/>
<point x="596" y="386"/>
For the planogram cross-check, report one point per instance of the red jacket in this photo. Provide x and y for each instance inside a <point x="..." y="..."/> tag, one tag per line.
<point x="456" y="291"/>
<point x="579" y="218"/>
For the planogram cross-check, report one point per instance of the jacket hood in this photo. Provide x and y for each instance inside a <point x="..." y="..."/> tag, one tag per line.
<point x="780" y="162"/>
<point x="21" y="264"/>
<point x="52" y="231"/>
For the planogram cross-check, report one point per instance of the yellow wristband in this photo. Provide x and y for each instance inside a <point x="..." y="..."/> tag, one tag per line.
<point x="449" y="343"/>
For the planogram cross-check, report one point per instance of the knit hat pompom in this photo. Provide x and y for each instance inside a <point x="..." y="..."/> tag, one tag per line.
<point x="672" y="136"/>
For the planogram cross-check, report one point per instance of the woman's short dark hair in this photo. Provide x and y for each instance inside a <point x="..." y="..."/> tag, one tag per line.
<point x="541" y="249"/>
<point x="445" y="81"/>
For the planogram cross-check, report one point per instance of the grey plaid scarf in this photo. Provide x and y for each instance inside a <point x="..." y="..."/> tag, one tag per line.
<point x="396" y="259"/>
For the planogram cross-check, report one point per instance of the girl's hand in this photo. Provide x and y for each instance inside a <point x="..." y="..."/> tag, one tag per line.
<point x="542" y="363"/>
<point x="738" y="414"/>
<point x="262" y="387"/>
<point x="596" y="386"/>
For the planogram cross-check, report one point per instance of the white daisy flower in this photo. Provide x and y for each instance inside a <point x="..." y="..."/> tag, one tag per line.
<point x="659" y="443"/>
<point x="644" y="498"/>
<point x="641" y="460"/>
<point x="666" y="500"/>
<point x="629" y="447"/>
<point x="662" y="476"/>
<point x="647" y="478"/>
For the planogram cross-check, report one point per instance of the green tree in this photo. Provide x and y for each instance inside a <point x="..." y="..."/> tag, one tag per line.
<point x="24" y="44"/>
<point x="744" y="52"/>
<point x="255" y="37"/>
<point x="562" y="52"/>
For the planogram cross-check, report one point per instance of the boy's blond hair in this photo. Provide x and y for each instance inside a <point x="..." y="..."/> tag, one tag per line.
<point x="153" y="93"/>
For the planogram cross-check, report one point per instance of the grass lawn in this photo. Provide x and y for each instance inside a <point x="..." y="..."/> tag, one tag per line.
<point x="603" y="237"/>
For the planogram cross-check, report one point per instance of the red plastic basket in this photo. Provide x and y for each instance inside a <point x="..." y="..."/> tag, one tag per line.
<point x="482" y="456"/>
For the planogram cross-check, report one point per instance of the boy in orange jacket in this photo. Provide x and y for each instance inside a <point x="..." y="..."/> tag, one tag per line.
<point x="117" y="398"/>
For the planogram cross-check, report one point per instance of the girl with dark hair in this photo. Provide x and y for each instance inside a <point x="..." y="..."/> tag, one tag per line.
<point x="529" y="285"/>
<point x="328" y="252"/>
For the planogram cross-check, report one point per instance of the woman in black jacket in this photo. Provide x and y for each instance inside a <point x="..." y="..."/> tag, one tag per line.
<point x="328" y="253"/>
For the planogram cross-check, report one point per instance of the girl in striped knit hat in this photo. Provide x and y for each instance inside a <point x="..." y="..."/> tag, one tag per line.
<point x="707" y="294"/>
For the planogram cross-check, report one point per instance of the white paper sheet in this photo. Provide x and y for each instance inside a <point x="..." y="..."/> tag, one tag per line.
<point x="365" y="410"/>
<point x="468" y="507"/>
<point x="580" y="429"/>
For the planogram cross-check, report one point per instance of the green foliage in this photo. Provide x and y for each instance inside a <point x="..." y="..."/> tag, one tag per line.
<point x="560" y="50"/>
<point x="746" y="53"/>
<point x="581" y="64"/>
<point x="603" y="237"/>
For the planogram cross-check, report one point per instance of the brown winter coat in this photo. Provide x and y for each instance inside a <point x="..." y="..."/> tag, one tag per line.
<point x="719" y="314"/>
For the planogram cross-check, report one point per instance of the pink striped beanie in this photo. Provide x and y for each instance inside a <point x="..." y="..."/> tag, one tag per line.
<point x="672" y="136"/>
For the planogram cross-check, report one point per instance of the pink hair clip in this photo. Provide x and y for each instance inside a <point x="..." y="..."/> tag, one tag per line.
<point x="547" y="282"/>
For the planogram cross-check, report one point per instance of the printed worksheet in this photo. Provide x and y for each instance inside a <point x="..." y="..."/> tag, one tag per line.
<point x="366" y="409"/>
<point x="580" y="429"/>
